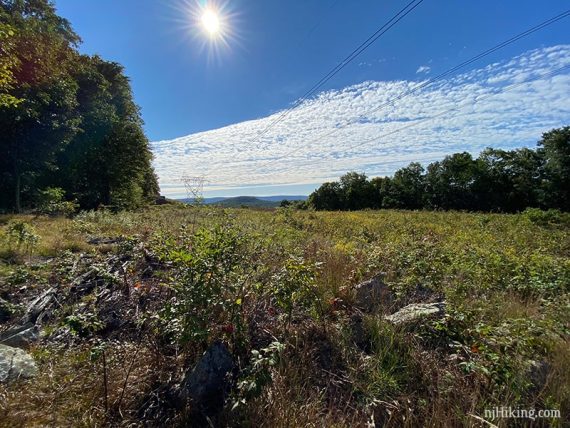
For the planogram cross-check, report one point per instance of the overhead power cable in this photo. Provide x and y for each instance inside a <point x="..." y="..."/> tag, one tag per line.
<point x="434" y="79"/>
<point x="455" y="108"/>
<point x="355" y="53"/>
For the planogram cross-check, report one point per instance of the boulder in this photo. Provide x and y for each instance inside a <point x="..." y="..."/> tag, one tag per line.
<point x="416" y="312"/>
<point x="15" y="364"/>
<point x="20" y="337"/>
<point x="206" y="387"/>
<point x="373" y="294"/>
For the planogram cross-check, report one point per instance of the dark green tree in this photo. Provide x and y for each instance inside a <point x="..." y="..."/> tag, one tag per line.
<point x="327" y="197"/>
<point x="71" y="122"/>
<point x="356" y="191"/>
<point x="555" y="147"/>
<point x="510" y="180"/>
<point x="449" y="183"/>
<point x="380" y="189"/>
<point x="408" y="187"/>
<point x="37" y="128"/>
<point x="8" y="62"/>
<point x="108" y="162"/>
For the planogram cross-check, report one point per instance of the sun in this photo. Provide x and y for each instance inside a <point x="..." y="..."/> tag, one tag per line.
<point x="211" y="22"/>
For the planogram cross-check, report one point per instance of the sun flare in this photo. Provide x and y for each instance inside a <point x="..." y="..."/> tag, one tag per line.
<point x="211" y="22"/>
<point x="210" y="26"/>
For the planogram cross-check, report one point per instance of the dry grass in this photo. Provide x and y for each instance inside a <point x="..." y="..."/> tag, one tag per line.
<point x="71" y="390"/>
<point x="505" y="279"/>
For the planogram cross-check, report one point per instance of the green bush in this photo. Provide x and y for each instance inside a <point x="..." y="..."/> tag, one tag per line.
<point x="51" y="201"/>
<point x="23" y="235"/>
<point x="208" y="290"/>
<point x="545" y="218"/>
<point x="295" y="285"/>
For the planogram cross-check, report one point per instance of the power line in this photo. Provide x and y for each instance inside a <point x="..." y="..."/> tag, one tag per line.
<point x="355" y="53"/>
<point x="454" y="109"/>
<point x="434" y="79"/>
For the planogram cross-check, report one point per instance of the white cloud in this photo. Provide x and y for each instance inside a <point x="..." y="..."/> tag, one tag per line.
<point x="425" y="69"/>
<point x="340" y="130"/>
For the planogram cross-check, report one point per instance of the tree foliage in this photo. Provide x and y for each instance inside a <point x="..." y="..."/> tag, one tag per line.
<point x="8" y="61"/>
<point x="498" y="180"/>
<point x="70" y="121"/>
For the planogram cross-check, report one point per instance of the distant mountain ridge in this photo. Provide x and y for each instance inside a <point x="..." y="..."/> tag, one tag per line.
<point x="249" y="201"/>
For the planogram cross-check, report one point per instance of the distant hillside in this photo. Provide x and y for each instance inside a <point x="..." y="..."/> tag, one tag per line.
<point x="280" y="198"/>
<point x="247" y="201"/>
<point x="250" y="201"/>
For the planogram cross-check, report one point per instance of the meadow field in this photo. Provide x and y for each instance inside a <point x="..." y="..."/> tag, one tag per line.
<point x="139" y="296"/>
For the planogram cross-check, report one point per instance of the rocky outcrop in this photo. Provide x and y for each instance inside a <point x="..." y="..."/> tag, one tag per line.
<point x="39" y="305"/>
<point x="359" y="334"/>
<point x="15" y="364"/>
<point x="538" y="373"/>
<point x="415" y="312"/>
<point x="373" y="294"/>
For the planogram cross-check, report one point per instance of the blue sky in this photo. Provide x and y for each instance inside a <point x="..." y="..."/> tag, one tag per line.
<point x="276" y="50"/>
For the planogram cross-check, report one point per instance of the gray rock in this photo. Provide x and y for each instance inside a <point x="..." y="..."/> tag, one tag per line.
<point x="206" y="387"/>
<point x="102" y="241"/>
<point x="15" y="364"/>
<point x="39" y="305"/>
<point x="538" y="374"/>
<point x="359" y="333"/>
<point x="373" y="294"/>
<point x="20" y="337"/>
<point x="415" y="312"/>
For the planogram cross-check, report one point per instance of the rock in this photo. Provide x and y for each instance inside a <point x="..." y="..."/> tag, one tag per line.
<point x="359" y="334"/>
<point x="6" y="310"/>
<point x="96" y="240"/>
<point x="20" y="337"/>
<point x="372" y="294"/>
<point x="38" y="305"/>
<point x="15" y="364"/>
<point x="423" y="294"/>
<point x="206" y="387"/>
<point x="538" y="374"/>
<point x="415" y="312"/>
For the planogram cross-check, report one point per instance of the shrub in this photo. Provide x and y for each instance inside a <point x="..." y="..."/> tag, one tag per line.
<point x="295" y="285"/>
<point x="23" y="234"/>
<point x="544" y="218"/>
<point x="208" y="292"/>
<point x="51" y="201"/>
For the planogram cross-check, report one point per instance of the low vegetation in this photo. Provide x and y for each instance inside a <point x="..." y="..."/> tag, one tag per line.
<point x="139" y="297"/>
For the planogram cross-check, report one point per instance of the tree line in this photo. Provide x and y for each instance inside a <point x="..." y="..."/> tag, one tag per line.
<point x="69" y="127"/>
<point x="497" y="180"/>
